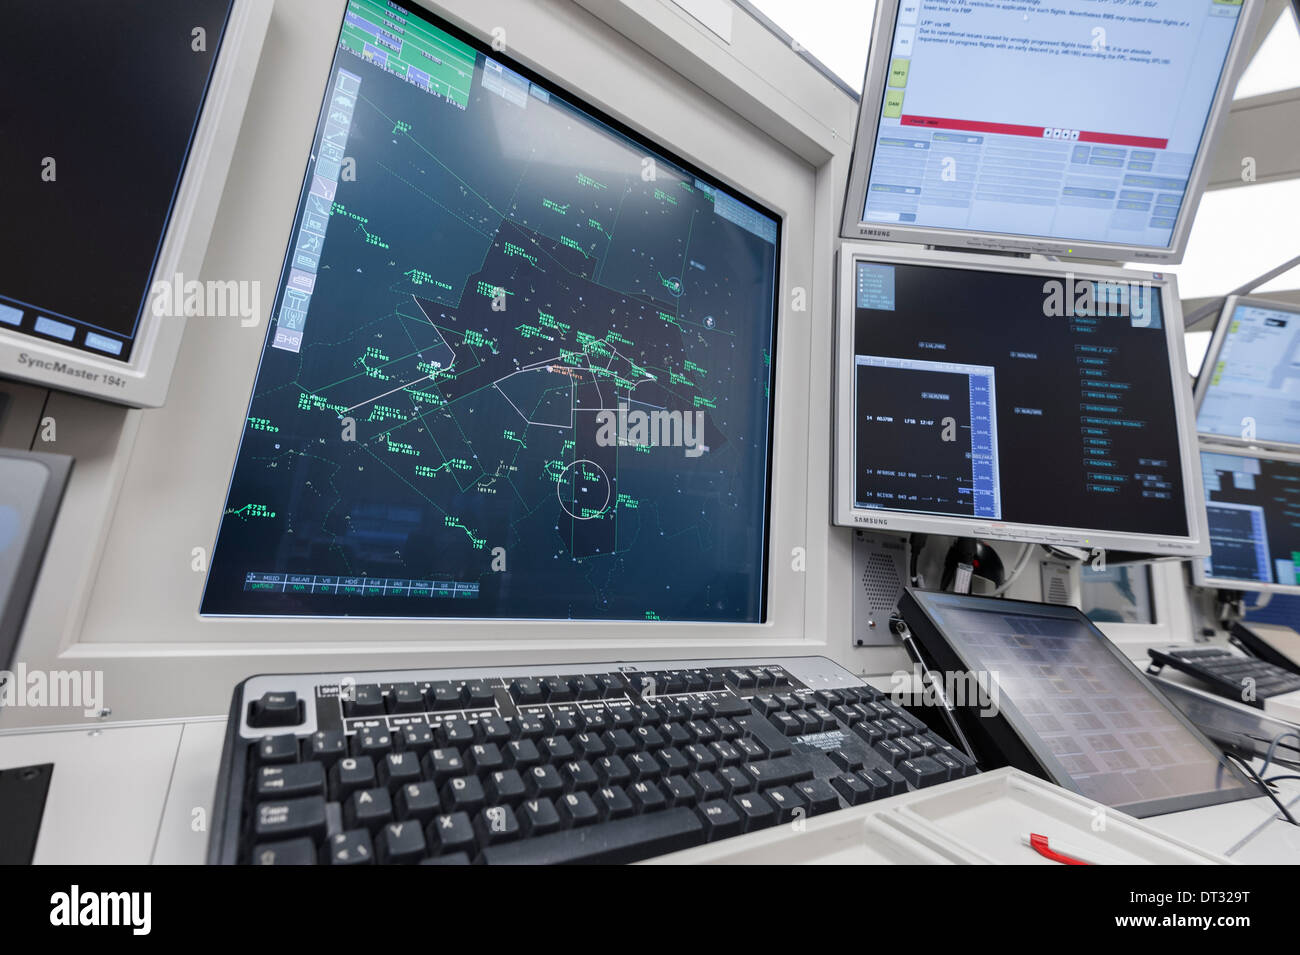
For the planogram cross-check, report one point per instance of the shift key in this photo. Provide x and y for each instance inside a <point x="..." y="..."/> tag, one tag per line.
<point x="779" y="772"/>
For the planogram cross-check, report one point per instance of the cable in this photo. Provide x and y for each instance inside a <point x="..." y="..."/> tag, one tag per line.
<point x="1272" y="747"/>
<point x="1278" y="779"/>
<point x="1250" y="770"/>
<point x="1021" y="563"/>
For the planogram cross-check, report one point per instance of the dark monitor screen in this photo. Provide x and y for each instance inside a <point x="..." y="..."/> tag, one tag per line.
<point x="521" y="364"/>
<point x="1019" y="398"/>
<point x="1253" y="506"/>
<point x="1251" y="387"/>
<point x="101" y="102"/>
<point x="1084" y="711"/>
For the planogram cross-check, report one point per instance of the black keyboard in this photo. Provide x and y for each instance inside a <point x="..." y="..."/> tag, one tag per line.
<point x="1228" y="674"/>
<point x="587" y="764"/>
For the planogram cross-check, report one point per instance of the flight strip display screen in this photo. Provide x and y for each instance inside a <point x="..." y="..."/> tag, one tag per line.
<point x="1087" y="714"/>
<point x="520" y="365"/>
<point x="1253" y="505"/>
<point x="1021" y="398"/>
<point x="1080" y="120"/>
<point x="1253" y="391"/>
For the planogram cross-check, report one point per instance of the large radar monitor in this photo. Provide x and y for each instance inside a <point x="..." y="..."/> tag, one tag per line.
<point x="1077" y="128"/>
<point x="520" y="364"/>
<point x="982" y="396"/>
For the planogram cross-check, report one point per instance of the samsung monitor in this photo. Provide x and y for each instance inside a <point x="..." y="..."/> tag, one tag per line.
<point x="114" y="163"/>
<point x="1248" y="392"/>
<point x="1039" y="687"/>
<point x="1253" y="505"/>
<point x="1002" y="399"/>
<point x="521" y="364"/>
<point x="1085" y="129"/>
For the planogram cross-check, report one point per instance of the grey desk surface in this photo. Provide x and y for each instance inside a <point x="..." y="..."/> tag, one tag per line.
<point x="142" y="794"/>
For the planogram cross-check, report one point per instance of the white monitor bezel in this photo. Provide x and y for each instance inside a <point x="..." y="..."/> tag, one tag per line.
<point x="1221" y="330"/>
<point x="142" y="380"/>
<point x="1200" y="575"/>
<point x="1194" y="544"/>
<point x="115" y="597"/>
<point x="878" y="60"/>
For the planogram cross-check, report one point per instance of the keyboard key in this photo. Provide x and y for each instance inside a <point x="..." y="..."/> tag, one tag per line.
<point x="350" y="848"/>
<point x="325" y="747"/>
<point x="786" y="801"/>
<point x="454" y="732"/>
<point x="492" y="729"/>
<point x="406" y="698"/>
<point x="678" y="791"/>
<point x="890" y="751"/>
<point x="897" y="784"/>
<point x="287" y="818"/>
<point x="612" y="802"/>
<point x="375" y="743"/>
<point x="290" y="781"/>
<point x="644" y="766"/>
<point x="646" y="796"/>
<point x="727" y="706"/>
<point x="277" y="750"/>
<point x="368" y="809"/>
<point x="854" y="789"/>
<point x="779" y="772"/>
<point x="543" y="781"/>
<point x="484" y="758"/>
<point x="288" y="852"/>
<point x="442" y="764"/>
<point x="463" y="794"/>
<point x="612" y="771"/>
<point x="400" y="843"/>
<point x="538" y="817"/>
<point x="706" y="786"/>
<point x="417" y="739"/>
<point x="754" y="811"/>
<point x="719" y="818"/>
<point x="588" y="746"/>
<point x="922" y="771"/>
<point x="522" y="753"/>
<point x="576" y="809"/>
<point x="397" y="769"/>
<point x="445" y="695"/>
<point x="275" y="709"/>
<point x="818" y="795"/>
<point x="759" y="729"/>
<point x="478" y="694"/>
<point x="363" y="700"/>
<point x="417" y="801"/>
<point x="451" y="832"/>
<point x="506" y="786"/>
<point x="579" y="776"/>
<point x="735" y="780"/>
<point x="849" y="762"/>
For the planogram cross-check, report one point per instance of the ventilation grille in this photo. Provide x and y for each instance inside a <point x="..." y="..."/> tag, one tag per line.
<point x="880" y="583"/>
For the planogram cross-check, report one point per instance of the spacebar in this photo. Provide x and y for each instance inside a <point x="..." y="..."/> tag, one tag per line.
<point x="622" y="840"/>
